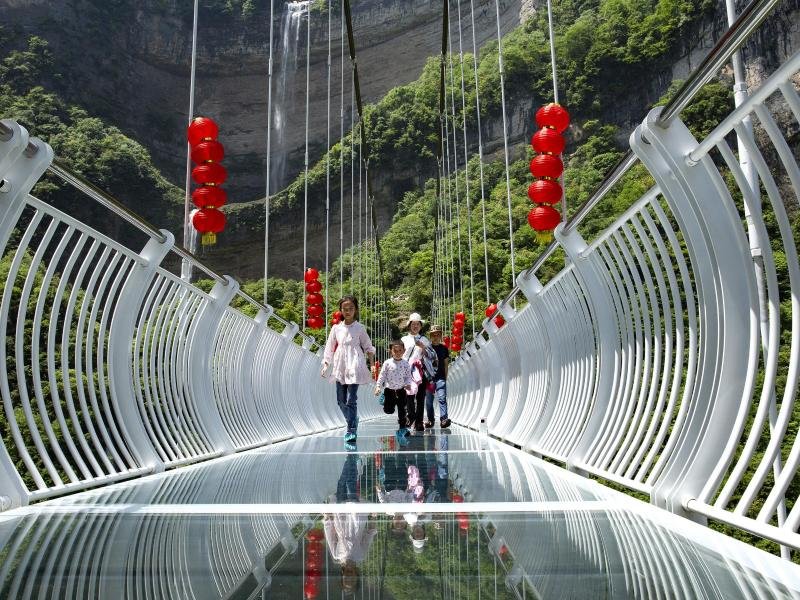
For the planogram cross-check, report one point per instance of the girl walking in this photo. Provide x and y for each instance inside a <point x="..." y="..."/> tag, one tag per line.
<point x="348" y="350"/>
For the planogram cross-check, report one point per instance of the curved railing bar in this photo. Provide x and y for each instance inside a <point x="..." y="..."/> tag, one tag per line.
<point x="59" y="169"/>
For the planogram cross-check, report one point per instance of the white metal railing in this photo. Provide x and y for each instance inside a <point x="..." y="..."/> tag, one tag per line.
<point x="115" y="367"/>
<point x="665" y="356"/>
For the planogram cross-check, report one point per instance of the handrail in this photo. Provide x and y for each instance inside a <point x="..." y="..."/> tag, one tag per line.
<point x="750" y="18"/>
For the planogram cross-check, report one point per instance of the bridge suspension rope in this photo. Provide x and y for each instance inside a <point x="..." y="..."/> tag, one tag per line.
<point x="269" y="151"/>
<point x="328" y="181"/>
<point x="480" y="147"/>
<point x="505" y="143"/>
<point x="305" y="159"/>
<point x="467" y="203"/>
<point x="189" y="234"/>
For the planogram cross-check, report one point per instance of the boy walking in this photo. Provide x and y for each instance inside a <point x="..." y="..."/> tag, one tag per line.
<point x="395" y="382"/>
<point x="438" y="386"/>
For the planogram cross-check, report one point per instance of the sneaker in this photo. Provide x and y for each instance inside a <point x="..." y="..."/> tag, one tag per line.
<point x="418" y="426"/>
<point x="350" y="437"/>
<point x="428" y="424"/>
<point x="406" y="432"/>
<point x="350" y="446"/>
<point x="402" y="437"/>
<point x="445" y="423"/>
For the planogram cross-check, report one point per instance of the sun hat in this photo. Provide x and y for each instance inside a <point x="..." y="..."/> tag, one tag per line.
<point x="436" y="329"/>
<point x="415" y="316"/>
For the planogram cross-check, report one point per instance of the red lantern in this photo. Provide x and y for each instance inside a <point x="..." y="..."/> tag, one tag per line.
<point x="315" y="323"/>
<point x="455" y="347"/>
<point x="545" y="191"/>
<point x="211" y="151"/>
<point x="315" y="310"/>
<point x="460" y="316"/>
<point x="544" y="218"/>
<point x="310" y="589"/>
<point x="376" y="370"/>
<point x="314" y="299"/>
<point x="209" y="174"/>
<point x="490" y="310"/>
<point x="209" y="222"/>
<point x="499" y="321"/>
<point x="209" y="197"/>
<point x="312" y="287"/>
<point x="547" y="165"/>
<point x="446" y="341"/>
<point x="548" y="141"/>
<point x="200" y="129"/>
<point x="553" y="116"/>
<point x="338" y="315"/>
<point x="311" y="275"/>
<point x="458" y="339"/>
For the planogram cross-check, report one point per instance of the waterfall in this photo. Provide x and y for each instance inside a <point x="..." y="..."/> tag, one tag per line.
<point x="293" y="14"/>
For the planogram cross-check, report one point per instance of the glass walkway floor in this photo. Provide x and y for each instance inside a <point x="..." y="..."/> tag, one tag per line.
<point x="435" y="515"/>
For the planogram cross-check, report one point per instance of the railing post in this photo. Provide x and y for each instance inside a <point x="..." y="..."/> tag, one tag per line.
<point x="605" y="322"/>
<point x="200" y="373"/>
<point x="724" y="284"/>
<point x="20" y="169"/>
<point x="249" y="356"/>
<point x="120" y="351"/>
<point x="290" y="331"/>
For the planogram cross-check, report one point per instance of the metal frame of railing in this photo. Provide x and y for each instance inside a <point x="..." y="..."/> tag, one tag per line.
<point x="737" y="34"/>
<point x="666" y="352"/>
<point x="116" y="366"/>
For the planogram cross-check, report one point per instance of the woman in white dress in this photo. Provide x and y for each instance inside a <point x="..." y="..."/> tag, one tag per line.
<point x="348" y="350"/>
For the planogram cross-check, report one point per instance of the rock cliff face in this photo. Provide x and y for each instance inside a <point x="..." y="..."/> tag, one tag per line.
<point x="129" y="62"/>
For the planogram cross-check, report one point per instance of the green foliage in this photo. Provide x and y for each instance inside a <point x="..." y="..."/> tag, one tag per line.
<point x="87" y="145"/>
<point x="708" y="108"/>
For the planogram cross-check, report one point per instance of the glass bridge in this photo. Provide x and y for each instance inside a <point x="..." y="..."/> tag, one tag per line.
<point x="489" y="521"/>
<point x="163" y="441"/>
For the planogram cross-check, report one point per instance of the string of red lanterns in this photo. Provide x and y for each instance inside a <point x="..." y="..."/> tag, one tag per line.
<point x="315" y="556"/>
<point x="546" y="191"/>
<point x="315" y="303"/>
<point x="456" y="339"/>
<point x="206" y="152"/>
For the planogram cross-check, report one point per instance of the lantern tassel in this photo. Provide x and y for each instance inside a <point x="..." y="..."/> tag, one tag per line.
<point x="208" y="239"/>
<point x="544" y="237"/>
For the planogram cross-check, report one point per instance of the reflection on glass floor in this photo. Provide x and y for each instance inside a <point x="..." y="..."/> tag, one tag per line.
<point x="435" y="516"/>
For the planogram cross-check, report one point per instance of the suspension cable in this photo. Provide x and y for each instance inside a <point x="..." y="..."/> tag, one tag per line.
<point x="189" y="240"/>
<point x="352" y="186"/>
<point x="466" y="173"/>
<point x="364" y="140"/>
<point x="328" y="184"/>
<point x="341" y="168"/>
<point x="480" y="149"/>
<point x="505" y="142"/>
<point x="305" y="176"/>
<point x="458" y="202"/>
<point x="555" y="94"/>
<point x="269" y="152"/>
<point x="439" y="141"/>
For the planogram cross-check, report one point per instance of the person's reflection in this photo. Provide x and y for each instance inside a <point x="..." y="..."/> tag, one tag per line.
<point x="347" y="534"/>
<point x="415" y="476"/>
